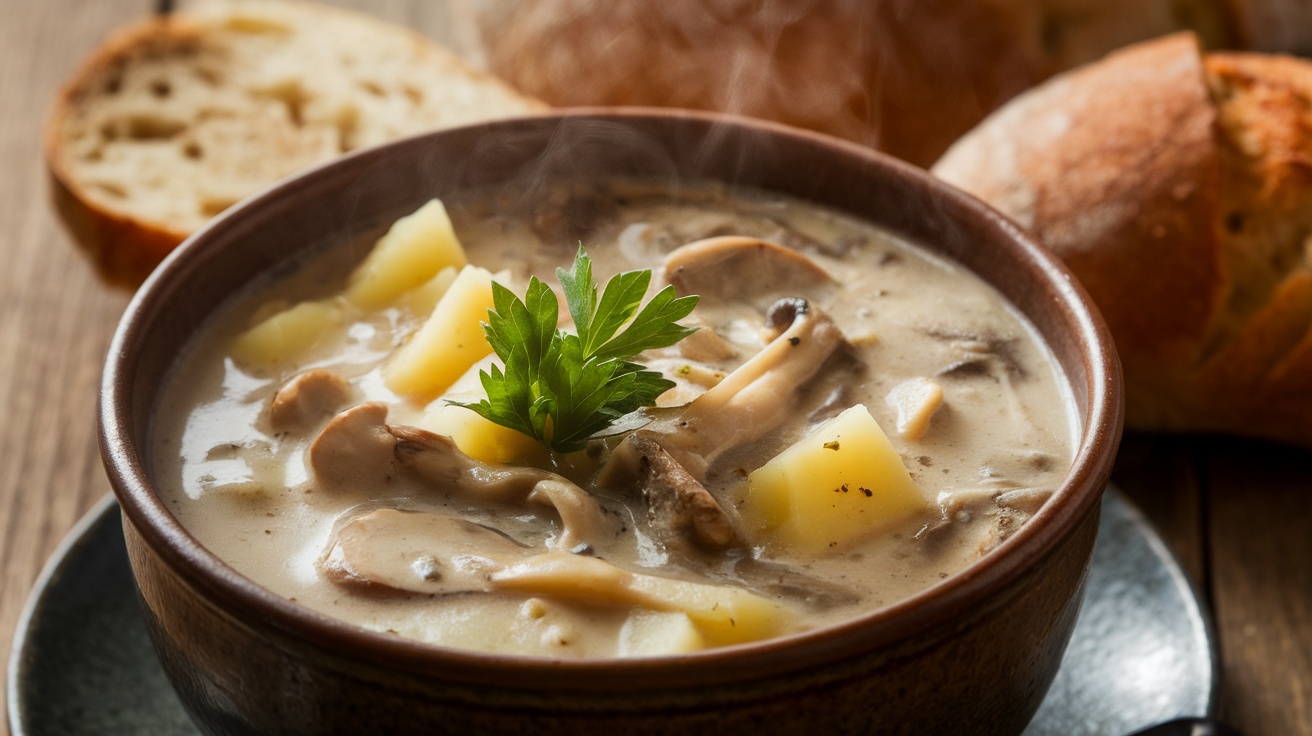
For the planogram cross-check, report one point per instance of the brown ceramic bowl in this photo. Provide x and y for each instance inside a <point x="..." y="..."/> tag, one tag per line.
<point x="973" y="654"/>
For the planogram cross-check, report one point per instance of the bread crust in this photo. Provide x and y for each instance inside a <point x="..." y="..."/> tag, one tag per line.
<point x="1177" y="189"/>
<point x="905" y="76"/>
<point x="124" y="248"/>
<point x="134" y="170"/>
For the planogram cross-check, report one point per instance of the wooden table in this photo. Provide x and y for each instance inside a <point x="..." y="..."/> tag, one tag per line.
<point x="1238" y="513"/>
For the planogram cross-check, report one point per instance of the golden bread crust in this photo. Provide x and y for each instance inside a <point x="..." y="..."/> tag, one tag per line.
<point x="1178" y="188"/>
<point x="1122" y="198"/>
<point x="905" y="76"/>
<point x="174" y="119"/>
<point x="124" y="248"/>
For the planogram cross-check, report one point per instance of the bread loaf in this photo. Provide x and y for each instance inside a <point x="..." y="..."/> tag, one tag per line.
<point x="1178" y="188"/>
<point x="174" y="119"/>
<point x="905" y="76"/>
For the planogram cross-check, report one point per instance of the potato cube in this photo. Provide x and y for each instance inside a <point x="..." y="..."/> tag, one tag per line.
<point x="480" y="438"/>
<point x="653" y="633"/>
<point x="448" y="343"/>
<point x="280" y="339"/>
<point x="724" y="615"/>
<point x="413" y="251"/>
<point x="840" y="481"/>
<point x="424" y="297"/>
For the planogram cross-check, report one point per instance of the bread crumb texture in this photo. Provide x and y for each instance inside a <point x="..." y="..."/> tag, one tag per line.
<point x="1264" y="108"/>
<point x="174" y="120"/>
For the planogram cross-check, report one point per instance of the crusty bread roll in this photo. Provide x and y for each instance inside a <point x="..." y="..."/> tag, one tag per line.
<point x="1178" y="188"/>
<point x="173" y="120"/>
<point x="905" y="76"/>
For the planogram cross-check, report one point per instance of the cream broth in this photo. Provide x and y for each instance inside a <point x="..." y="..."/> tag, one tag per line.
<point x="971" y="401"/>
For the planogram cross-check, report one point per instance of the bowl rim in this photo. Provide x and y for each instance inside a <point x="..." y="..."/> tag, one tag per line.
<point x="125" y="462"/>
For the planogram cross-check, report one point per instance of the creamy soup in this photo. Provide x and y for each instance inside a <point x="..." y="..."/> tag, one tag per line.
<point x="853" y="421"/>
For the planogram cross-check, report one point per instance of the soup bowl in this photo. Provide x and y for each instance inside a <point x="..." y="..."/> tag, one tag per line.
<point x="974" y="652"/>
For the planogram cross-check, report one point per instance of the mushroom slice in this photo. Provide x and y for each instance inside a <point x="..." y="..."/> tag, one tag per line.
<point x="757" y="396"/>
<point x="584" y="525"/>
<point x="354" y="450"/>
<point x="416" y="552"/>
<point x="916" y="400"/>
<point x="436" y="459"/>
<point x="670" y="459"/>
<point x="306" y="399"/>
<point x="680" y="511"/>
<point x="1024" y="500"/>
<point x="358" y="449"/>
<point x="735" y="268"/>
<point x="1004" y="511"/>
<point x="705" y="345"/>
<point x="750" y="402"/>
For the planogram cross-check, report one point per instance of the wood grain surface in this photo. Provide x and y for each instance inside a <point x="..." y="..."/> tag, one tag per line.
<point x="1237" y="513"/>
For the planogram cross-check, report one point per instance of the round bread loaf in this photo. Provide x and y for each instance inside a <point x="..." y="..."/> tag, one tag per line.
<point x="905" y="76"/>
<point x="1178" y="188"/>
<point x="174" y="119"/>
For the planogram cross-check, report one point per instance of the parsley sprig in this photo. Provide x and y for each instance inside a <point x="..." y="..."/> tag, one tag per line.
<point x="561" y="387"/>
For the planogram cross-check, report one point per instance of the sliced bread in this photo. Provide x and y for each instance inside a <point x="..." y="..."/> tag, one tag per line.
<point x="173" y="120"/>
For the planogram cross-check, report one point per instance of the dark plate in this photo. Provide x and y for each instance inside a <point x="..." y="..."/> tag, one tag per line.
<point x="1142" y="652"/>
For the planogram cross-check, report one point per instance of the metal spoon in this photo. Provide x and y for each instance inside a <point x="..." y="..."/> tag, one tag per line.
<point x="1189" y="727"/>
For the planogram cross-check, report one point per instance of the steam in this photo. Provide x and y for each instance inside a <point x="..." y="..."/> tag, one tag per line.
<point x="801" y="62"/>
<point x="905" y="76"/>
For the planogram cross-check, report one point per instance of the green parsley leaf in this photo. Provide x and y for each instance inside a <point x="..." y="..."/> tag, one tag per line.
<point x="563" y="388"/>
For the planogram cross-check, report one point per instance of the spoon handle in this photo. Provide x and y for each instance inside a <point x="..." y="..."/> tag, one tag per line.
<point x="1189" y="727"/>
